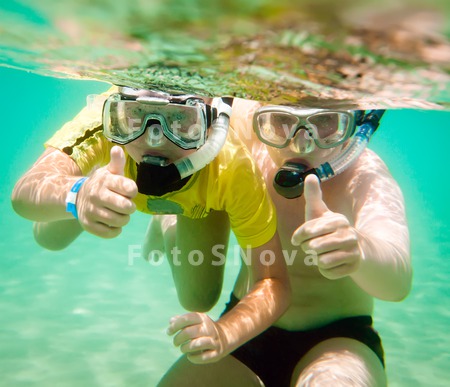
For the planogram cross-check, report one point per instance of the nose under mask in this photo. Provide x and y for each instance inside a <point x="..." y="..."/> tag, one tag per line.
<point x="302" y="142"/>
<point x="154" y="134"/>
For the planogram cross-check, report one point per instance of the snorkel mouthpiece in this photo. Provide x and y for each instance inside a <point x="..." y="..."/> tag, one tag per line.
<point x="155" y="176"/>
<point x="155" y="160"/>
<point x="290" y="178"/>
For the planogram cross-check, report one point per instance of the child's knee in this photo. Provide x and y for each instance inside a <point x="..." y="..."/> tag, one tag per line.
<point x="340" y="362"/>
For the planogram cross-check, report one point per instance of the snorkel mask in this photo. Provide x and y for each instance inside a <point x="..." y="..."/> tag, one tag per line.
<point x="183" y="119"/>
<point x="277" y="125"/>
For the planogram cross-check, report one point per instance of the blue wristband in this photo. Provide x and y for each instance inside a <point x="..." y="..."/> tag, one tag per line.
<point x="71" y="199"/>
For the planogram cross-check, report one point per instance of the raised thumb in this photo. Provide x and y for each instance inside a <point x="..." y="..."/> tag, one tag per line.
<point x="117" y="163"/>
<point x="315" y="206"/>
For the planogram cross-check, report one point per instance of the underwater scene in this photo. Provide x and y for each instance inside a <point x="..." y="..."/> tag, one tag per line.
<point x="95" y="313"/>
<point x="92" y="315"/>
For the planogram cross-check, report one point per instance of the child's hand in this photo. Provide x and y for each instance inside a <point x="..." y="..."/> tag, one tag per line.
<point x="104" y="203"/>
<point x="198" y="337"/>
<point x="327" y="234"/>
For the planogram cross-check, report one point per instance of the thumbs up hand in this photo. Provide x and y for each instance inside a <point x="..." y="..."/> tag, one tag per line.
<point x="315" y="206"/>
<point x="116" y="165"/>
<point x="104" y="202"/>
<point x="327" y="235"/>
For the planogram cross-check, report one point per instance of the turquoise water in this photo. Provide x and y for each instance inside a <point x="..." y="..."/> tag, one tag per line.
<point x="88" y="316"/>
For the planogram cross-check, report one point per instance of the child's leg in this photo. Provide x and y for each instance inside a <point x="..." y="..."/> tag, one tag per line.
<point x="340" y="362"/>
<point x="226" y="372"/>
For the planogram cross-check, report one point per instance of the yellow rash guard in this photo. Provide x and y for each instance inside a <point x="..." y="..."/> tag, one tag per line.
<point x="230" y="183"/>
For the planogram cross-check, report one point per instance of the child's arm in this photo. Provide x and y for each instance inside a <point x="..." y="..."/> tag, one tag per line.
<point x="375" y="251"/>
<point x="41" y="192"/>
<point x="380" y="220"/>
<point x="103" y="201"/>
<point x="205" y="341"/>
<point x="58" y="234"/>
<point x="157" y="231"/>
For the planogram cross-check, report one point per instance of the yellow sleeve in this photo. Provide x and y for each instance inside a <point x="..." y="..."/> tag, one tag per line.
<point x="82" y="138"/>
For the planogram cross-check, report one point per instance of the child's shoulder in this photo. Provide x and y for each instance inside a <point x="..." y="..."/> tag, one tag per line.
<point x="234" y="150"/>
<point x="369" y="171"/>
<point x="234" y="163"/>
<point x="370" y="161"/>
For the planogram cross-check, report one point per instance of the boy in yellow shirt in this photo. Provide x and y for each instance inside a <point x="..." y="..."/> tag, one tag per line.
<point x="174" y="155"/>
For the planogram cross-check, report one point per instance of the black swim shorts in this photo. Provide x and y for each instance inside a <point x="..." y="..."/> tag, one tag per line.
<point x="274" y="354"/>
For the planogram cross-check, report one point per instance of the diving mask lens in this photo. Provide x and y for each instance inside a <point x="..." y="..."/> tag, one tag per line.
<point x="330" y="128"/>
<point x="125" y="120"/>
<point x="186" y="124"/>
<point x="276" y="126"/>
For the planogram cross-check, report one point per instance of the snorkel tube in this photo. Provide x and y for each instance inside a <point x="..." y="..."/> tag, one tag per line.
<point x="155" y="178"/>
<point x="289" y="180"/>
